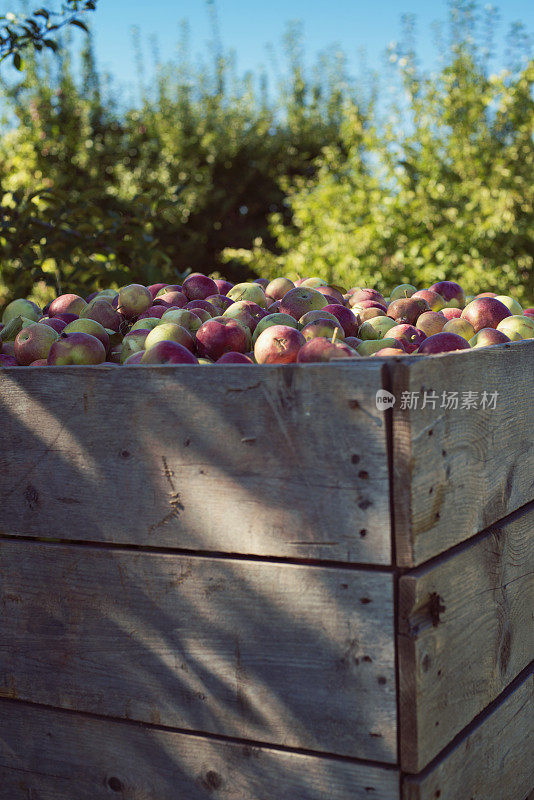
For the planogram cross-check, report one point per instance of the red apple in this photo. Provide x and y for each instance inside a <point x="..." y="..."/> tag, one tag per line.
<point x="198" y="287"/>
<point x="487" y="337"/>
<point x="155" y="312"/>
<point x="55" y="323"/>
<point x="367" y="294"/>
<point x="8" y="361"/>
<point x="177" y="299"/>
<point x="434" y="300"/>
<point x="332" y="295"/>
<point x="410" y="336"/>
<point x="322" y="349"/>
<point x="348" y="319"/>
<point x="222" y="335"/>
<point x="34" y="342"/>
<point x="452" y="293"/>
<point x="451" y="313"/>
<point x="223" y="286"/>
<point x="135" y="358"/>
<point x="155" y="288"/>
<point x="442" y="343"/>
<point x="485" y="312"/>
<point x="66" y="304"/>
<point x="102" y="311"/>
<point x="234" y="358"/>
<point x="41" y="362"/>
<point x="279" y="287"/>
<point x="528" y="312"/>
<point x="322" y="329"/>
<point x="167" y="352"/>
<point x="407" y="310"/>
<point x="203" y="304"/>
<point x="88" y="326"/>
<point x="220" y="301"/>
<point x="389" y="351"/>
<point x="279" y="344"/>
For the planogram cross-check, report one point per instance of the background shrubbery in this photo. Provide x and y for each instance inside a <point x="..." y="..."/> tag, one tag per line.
<point x="322" y="175"/>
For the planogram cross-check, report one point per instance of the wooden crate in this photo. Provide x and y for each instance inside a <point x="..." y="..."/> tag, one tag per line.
<point x="252" y="583"/>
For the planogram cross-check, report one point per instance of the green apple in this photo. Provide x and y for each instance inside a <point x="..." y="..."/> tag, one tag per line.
<point x="517" y="327"/>
<point x="376" y="328"/>
<point x="21" y="308"/>
<point x="248" y="291"/>
<point x="146" y="324"/>
<point x="404" y="290"/>
<point x="274" y="319"/>
<point x="371" y="346"/>
<point x="511" y="304"/>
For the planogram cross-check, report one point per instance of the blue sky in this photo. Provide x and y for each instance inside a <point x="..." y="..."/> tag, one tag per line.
<point x="248" y="27"/>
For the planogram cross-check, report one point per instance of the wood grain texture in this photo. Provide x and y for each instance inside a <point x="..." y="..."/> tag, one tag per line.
<point x="466" y="625"/>
<point x="283" y="654"/>
<point x="51" y="755"/>
<point x="457" y="471"/>
<point x="277" y="461"/>
<point x="493" y="762"/>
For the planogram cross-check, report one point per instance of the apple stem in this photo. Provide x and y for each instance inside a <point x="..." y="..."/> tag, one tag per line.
<point x="335" y="335"/>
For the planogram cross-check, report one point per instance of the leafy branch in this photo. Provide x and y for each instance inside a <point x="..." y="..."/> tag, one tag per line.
<point x="38" y="30"/>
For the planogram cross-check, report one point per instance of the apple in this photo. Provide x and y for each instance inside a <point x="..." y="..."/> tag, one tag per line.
<point x="431" y="322"/>
<point x="133" y="300"/>
<point x="146" y="324"/>
<point x="434" y="300"/>
<point x="76" y="348"/>
<point x="55" y="323"/>
<point x="322" y="349"/>
<point x="311" y="316"/>
<point x="362" y="295"/>
<point x="487" y="337"/>
<point x="168" y="299"/>
<point x="21" y="308"/>
<point x="34" y="342"/>
<point x="42" y="362"/>
<point x="248" y="291"/>
<point x="169" y="287"/>
<point x="300" y="300"/>
<point x="223" y="286"/>
<point x="234" y="358"/>
<point x="202" y="304"/>
<point x="279" y="344"/>
<point x="103" y="312"/>
<point x="460" y="326"/>
<point x="279" y="287"/>
<point x="516" y="327"/>
<point x="132" y="343"/>
<point x="512" y="305"/>
<point x="403" y="290"/>
<point x="442" y="343"/>
<point x="169" y="332"/>
<point x="451" y="313"/>
<point x="452" y="293"/>
<point x="222" y="335"/>
<point x="88" y="326"/>
<point x="371" y="346"/>
<point x="274" y="319"/>
<point x="67" y="317"/>
<point x="485" y="312"/>
<point x="376" y="328"/>
<point x="486" y="294"/>
<point x="528" y="312"/>
<point x="274" y="308"/>
<point x="67" y="304"/>
<point x="155" y="288"/>
<point x="135" y="358"/>
<point x="198" y="287"/>
<point x="365" y="314"/>
<point x="407" y="310"/>
<point x="219" y="302"/>
<point x="312" y="283"/>
<point x="332" y="294"/>
<point x="168" y="352"/>
<point x="349" y="320"/>
<point x="323" y="329"/>
<point x="410" y="336"/>
<point x="246" y="312"/>
<point x="352" y="341"/>
<point x="389" y="351"/>
<point x="190" y="320"/>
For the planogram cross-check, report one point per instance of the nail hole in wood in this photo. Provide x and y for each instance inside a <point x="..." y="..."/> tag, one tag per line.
<point x="363" y="475"/>
<point x="363" y="533"/>
<point x="115" y="784"/>
<point x="355" y="458"/>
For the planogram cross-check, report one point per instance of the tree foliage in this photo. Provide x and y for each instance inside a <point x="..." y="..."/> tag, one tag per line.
<point x="319" y="176"/>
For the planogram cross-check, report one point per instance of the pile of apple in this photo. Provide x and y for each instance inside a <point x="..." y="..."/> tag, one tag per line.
<point x="204" y="321"/>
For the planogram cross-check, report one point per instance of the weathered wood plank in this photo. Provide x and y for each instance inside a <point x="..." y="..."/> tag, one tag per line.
<point x="466" y="631"/>
<point x="457" y="471"/>
<point x="284" y="654"/>
<point x="278" y="461"/>
<point x="493" y="762"/>
<point x="53" y="755"/>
